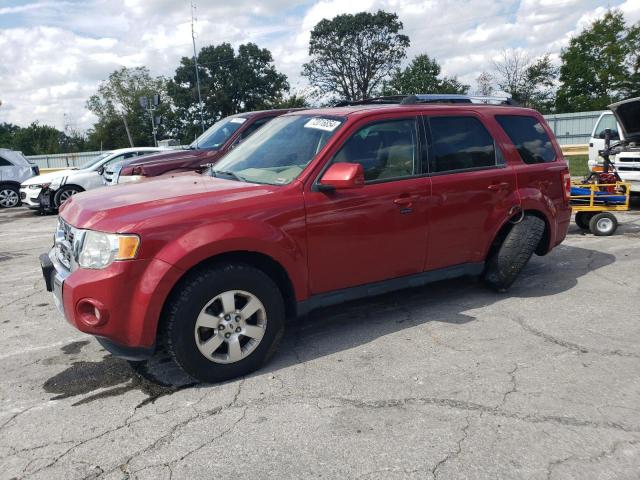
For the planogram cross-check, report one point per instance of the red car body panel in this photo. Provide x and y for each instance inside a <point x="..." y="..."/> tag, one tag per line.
<point x="324" y="241"/>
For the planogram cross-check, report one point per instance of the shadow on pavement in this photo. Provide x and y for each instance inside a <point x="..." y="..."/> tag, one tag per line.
<point x="322" y="332"/>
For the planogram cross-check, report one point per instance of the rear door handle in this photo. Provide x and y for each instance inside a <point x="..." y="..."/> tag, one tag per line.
<point x="499" y="186"/>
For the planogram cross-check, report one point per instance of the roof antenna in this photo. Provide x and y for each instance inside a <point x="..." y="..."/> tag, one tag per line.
<point x="195" y="61"/>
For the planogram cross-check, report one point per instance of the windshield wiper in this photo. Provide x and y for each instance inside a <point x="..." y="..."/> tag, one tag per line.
<point x="234" y="176"/>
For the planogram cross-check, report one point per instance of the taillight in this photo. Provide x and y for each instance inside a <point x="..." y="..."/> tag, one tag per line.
<point x="566" y="181"/>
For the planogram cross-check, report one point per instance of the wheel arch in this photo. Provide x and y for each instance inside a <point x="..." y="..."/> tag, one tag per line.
<point x="505" y="228"/>
<point x="267" y="264"/>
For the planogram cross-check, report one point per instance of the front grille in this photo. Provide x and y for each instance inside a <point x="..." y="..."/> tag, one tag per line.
<point x="65" y="236"/>
<point x="628" y="159"/>
<point x="629" y="169"/>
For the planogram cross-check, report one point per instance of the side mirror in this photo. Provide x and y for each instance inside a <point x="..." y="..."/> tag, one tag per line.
<point x="101" y="170"/>
<point x="340" y="176"/>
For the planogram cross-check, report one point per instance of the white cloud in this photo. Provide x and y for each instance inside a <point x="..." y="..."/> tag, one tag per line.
<point x="55" y="53"/>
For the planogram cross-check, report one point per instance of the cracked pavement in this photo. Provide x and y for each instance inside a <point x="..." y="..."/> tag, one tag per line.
<point x="443" y="382"/>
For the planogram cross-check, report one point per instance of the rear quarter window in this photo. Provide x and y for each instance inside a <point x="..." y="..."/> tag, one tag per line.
<point x="5" y="163"/>
<point x="529" y="137"/>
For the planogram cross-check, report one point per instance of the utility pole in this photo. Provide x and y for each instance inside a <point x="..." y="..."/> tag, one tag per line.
<point x="195" y="61"/>
<point x="150" y="105"/>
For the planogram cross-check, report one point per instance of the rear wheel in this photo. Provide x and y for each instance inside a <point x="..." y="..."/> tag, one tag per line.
<point x="583" y="218"/>
<point x="603" y="224"/>
<point x="9" y="196"/>
<point x="224" y="322"/>
<point x="509" y="259"/>
<point x="64" y="194"/>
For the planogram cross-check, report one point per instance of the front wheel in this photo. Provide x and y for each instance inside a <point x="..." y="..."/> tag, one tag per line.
<point x="64" y="194"/>
<point x="509" y="259"/>
<point x="224" y="322"/>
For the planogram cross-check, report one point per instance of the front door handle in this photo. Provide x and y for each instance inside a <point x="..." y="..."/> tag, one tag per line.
<point x="496" y="187"/>
<point x="405" y="200"/>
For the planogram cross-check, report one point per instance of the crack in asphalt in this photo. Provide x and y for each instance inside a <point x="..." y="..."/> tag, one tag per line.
<point x="451" y="455"/>
<point x="590" y="459"/>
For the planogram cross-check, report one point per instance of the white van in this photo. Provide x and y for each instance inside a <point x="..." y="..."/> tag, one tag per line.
<point x="50" y="190"/>
<point x="14" y="169"/>
<point x="624" y="122"/>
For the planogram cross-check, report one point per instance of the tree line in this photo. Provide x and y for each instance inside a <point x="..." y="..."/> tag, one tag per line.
<point x="351" y="57"/>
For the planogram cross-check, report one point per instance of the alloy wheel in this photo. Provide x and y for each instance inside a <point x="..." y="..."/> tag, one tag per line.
<point x="230" y="326"/>
<point x="9" y="198"/>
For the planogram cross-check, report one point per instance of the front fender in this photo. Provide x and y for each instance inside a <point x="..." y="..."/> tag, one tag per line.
<point x="204" y="242"/>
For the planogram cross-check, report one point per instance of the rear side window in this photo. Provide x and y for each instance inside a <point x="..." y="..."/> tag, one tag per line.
<point x="529" y="137"/>
<point x="460" y="143"/>
<point x="5" y="163"/>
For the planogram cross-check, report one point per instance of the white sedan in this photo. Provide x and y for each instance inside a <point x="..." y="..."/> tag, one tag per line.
<point x="50" y="190"/>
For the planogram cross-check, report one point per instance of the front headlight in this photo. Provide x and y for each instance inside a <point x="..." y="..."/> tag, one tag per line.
<point x="38" y="186"/>
<point x="99" y="250"/>
<point x="130" y="178"/>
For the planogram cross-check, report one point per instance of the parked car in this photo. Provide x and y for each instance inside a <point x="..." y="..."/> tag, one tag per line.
<point x="207" y="148"/>
<point x="316" y="208"/>
<point x="14" y="169"/>
<point x="624" y="123"/>
<point x="50" y="190"/>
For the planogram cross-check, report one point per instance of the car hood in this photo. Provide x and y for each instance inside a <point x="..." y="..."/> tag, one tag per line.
<point x="128" y="207"/>
<point x="627" y="113"/>
<point x="175" y="155"/>
<point x="48" y="177"/>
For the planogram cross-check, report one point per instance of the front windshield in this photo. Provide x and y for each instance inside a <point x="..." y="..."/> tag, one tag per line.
<point x="278" y="152"/>
<point x="90" y="163"/>
<point x="217" y="135"/>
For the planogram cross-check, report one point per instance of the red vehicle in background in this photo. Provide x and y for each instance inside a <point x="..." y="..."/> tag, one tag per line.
<point x="206" y="149"/>
<point x="316" y="208"/>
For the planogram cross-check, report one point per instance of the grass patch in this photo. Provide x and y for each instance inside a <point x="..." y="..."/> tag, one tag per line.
<point x="578" y="165"/>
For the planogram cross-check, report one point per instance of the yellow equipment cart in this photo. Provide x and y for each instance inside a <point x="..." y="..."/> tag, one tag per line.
<point x="593" y="203"/>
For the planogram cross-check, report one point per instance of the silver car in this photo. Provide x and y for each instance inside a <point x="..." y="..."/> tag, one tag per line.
<point x="14" y="169"/>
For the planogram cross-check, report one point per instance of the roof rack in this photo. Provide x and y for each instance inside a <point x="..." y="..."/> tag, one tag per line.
<point x="430" y="98"/>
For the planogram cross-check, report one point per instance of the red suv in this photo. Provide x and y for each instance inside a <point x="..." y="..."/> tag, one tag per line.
<point x="316" y="208"/>
<point x="221" y="137"/>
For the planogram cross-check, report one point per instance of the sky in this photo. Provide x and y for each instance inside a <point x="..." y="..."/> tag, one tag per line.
<point x="54" y="53"/>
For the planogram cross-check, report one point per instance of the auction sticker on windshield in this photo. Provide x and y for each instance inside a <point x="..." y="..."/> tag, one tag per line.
<point x="238" y="120"/>
<point x="325" y="124"/>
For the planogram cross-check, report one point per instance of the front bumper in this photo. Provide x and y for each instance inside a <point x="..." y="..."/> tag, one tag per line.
<point x="120" y="305"/>
<point x="30" y="197"/>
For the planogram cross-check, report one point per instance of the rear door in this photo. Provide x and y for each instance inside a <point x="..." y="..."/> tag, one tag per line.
<point x="473" y="189"/>
<point x="379" y="231"/>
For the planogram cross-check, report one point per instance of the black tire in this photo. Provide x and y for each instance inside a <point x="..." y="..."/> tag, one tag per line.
<point x="178" y="328"/>
<point x="64" y="193"/>
<point x="583" y="218"/>
<point x="603" y="224"/>
<point x="509" y="259"/>
<point x="9" y="196"/>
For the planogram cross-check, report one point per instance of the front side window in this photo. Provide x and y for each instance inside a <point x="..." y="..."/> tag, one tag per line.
<point x="278" y="153"/>
<point x="385" y="150"/>
<point x="94" y="161"/>
<point x="460" y="143"/>
<point x="529" y="137"/>
<point x="607" y="120"/>
<point x="218" y="134"/>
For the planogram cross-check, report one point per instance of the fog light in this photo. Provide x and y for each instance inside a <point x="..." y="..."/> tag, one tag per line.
<point x="91" y="312"/>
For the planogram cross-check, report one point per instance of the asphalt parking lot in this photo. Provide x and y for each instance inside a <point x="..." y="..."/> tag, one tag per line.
<point x="447" y="381"/>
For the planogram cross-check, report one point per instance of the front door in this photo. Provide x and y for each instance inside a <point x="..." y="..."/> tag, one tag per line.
<point x="473" y="190"/>
<point x="378" y="231"/>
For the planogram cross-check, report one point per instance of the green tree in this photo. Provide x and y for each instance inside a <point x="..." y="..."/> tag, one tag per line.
<point x="351" y="55"/>
<point x="39" y="139"/>
<point x="422" y="75"/>
<point x="118" y="99"/>
<point x="530" y="83"/>
<point x="599" y="64"/>
<point x="230" y="83"/>
<point x="7" y="133"/>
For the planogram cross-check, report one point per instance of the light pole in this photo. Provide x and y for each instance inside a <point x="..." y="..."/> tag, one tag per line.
<point x="156" y="120"/>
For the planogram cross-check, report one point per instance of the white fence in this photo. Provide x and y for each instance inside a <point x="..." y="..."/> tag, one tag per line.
<point x="62" y="160"/>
